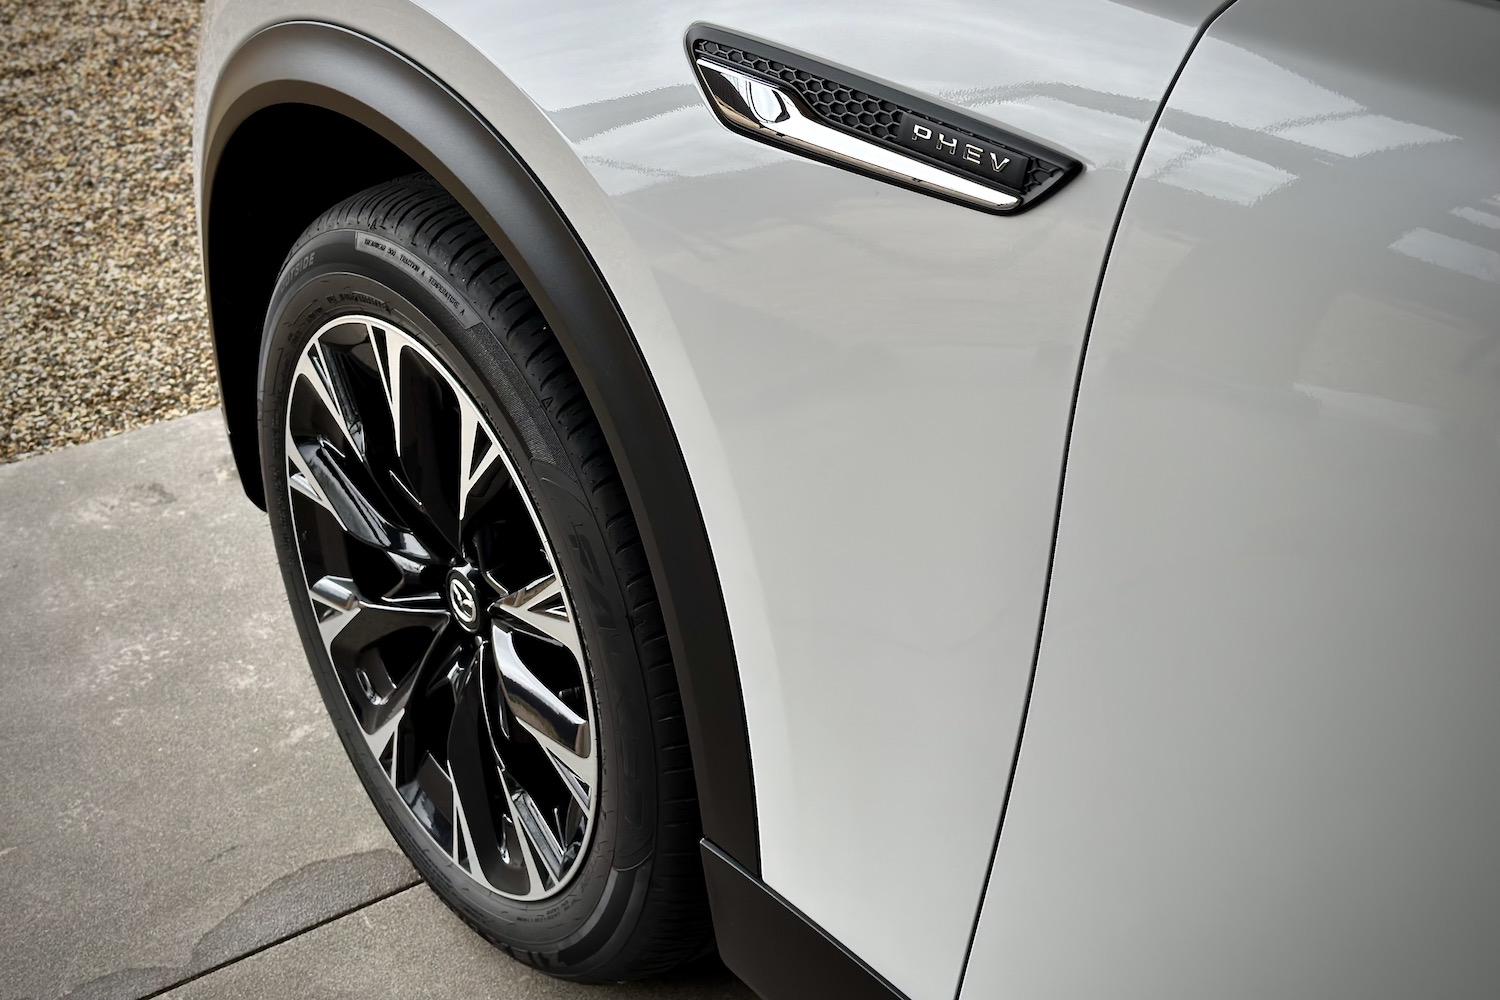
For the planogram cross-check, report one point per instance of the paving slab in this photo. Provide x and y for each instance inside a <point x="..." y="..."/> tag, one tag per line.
<point x="177" y="816"/>
<point x="174" y="796"/>
<point x="411" y="946"/>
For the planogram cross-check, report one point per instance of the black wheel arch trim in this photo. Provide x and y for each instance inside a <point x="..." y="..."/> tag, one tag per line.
<point x="349" y="74"/>
<point x="776" y="949"/>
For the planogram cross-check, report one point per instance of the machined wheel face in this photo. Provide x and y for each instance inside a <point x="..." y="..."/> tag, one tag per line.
<point x="440" y="602"/>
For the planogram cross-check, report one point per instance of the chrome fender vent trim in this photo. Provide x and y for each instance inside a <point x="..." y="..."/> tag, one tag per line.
<point x="783" y="120"/>
<point x="831" y="114"/>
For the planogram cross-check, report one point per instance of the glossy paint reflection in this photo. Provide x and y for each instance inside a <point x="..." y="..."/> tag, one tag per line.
<point x="885" y="381"/>
<point x="1260" y="754"/>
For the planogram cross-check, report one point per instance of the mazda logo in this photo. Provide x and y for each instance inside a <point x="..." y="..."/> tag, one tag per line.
<point x="461" y="599"/>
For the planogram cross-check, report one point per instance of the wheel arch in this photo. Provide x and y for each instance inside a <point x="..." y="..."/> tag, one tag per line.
<point x="304" y="114"/>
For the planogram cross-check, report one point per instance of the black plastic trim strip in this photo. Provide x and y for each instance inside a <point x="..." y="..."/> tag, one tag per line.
<point x="1049" y="171"/>
<point x="777" y="951"/>
<point x="1062" y="473"/>
<point x="305" y="63"/>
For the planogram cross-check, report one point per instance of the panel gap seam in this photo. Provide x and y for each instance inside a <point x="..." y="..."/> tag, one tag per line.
<point x="1062" y="479"/>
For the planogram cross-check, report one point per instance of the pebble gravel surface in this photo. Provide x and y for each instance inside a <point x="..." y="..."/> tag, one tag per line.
<point x="102" y="324"/>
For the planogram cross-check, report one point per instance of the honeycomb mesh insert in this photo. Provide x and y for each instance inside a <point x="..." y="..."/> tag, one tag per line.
<point x="845" y="107"/>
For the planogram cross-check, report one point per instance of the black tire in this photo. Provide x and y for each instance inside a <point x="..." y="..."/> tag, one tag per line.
<point x="635" y="905"/>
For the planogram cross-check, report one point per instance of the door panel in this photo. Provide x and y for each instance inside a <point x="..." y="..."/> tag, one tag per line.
<point x="1260" y="755"/>
<point x="872" y="388"/>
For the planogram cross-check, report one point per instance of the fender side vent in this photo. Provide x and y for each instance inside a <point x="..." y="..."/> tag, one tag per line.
<point x="884" y="121"/>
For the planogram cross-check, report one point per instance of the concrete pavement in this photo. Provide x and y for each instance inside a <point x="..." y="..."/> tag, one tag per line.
<point x="178" y="816"/>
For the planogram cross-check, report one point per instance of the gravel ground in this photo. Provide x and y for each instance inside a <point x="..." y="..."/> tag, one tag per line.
<point x="102" y="322"/>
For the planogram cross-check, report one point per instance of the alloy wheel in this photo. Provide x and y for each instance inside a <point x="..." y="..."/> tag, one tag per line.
<point x="441" y="606"/>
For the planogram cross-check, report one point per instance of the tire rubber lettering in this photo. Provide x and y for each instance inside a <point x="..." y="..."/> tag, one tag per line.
<point x="375" y="246"/>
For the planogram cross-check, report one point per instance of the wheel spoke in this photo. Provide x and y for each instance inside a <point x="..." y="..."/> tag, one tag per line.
<point x="533" y="705"/>
<point x="571" y="780"/>
<point x="425" y="451"/>
<point x="312" y="369"/>
<point x="351" y="622"/>
<point x="382" y="714"/>
<point x="540" y="846"/>
<point x="477" y="454"/>
<point x="477" y="786"/>
<point x="562" y="732"/>
<point x="465" y="847"/>
<point x="540" y="609"/>
<point x="301" y="479"/>
<point x="385" y="736"/>
<point x="387" y="349"/>
<point x="322" y="477"/>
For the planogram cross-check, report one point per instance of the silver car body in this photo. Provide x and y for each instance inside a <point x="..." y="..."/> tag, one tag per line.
<point x="1259" y="757"/>
<point x="1261" y="754"/>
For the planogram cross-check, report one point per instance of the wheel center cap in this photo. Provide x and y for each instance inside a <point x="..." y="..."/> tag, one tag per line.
<point x="463" y="597"/>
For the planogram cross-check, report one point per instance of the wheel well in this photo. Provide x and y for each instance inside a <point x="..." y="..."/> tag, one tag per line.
<point x="273" y="159"/>
<point x="279" y="171"/>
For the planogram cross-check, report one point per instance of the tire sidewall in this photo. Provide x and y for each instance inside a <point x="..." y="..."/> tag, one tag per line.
<point x="326" y="277"/>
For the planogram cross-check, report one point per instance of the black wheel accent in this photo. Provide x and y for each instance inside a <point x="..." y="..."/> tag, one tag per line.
<point x="472" y="591"/>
